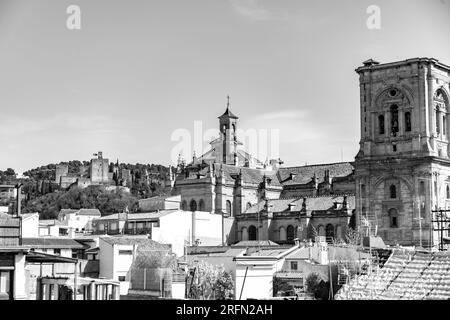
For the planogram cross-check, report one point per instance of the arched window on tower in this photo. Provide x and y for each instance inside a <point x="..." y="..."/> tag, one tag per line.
<point x="393" y="192"/>
<point x="193" y="205"/>
<point x="408" y="121"/>
<point x="381" y="124"/>
<point x="444" y="125"/>
<point x="394" y="120"/>
<point x="228" y="208"/>
<point x="184" y="205"/>
<point x="438" y="121"/>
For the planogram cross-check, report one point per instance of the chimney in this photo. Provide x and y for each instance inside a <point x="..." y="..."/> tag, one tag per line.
<point x="291" y="206"/>
<point x="292" y="176"/>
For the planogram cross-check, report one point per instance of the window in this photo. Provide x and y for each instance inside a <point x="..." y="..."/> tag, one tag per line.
<point x="290" y="233"/>
<point x="408" y="121"/>
<point x="121" y="278"/>
<point x="125" y="252"/>
<point x="294" y="265"/>
<point x="228" y="208"/>
<point x="393" y="192"/>
<point x="193" y="205"/>
<point x="101" y="226"/>
<point x="57" y="251"/>
<point x="448" y="192"/>
<point x="393" y="216"/>
<point x="363" y="191"/>
<point x="381" y="124"/>
<point x="283" y="236"/>
<point x="184" y="205"/>
<point x="5" y="282"/>
<point x="252" y="233"/>
<point x="113" y="225"/>
<point x="394" y="120"/>
<point x="438" y="122"/>
<point x="394" y="148"/>
<point x="249" y="205"/>
<point x="329" y="232"/>
<point x="422" y="188"/>
<point x="201" y="205"/>
<point x="444" y="125"/>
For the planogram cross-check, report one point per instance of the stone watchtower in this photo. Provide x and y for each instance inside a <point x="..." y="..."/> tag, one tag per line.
<point x="402" y="169"/>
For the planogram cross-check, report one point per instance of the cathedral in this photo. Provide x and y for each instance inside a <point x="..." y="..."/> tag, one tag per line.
<point x="400" y="174"/>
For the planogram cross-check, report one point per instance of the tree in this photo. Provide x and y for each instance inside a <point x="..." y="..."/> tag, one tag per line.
<point x="211" y="283"/>
<point x="316" y="286"/>
<point x="312" y="232"/>
<point x="352" y="236"/>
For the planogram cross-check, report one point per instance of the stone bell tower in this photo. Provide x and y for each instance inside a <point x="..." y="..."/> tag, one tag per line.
<point x="402" y="169"/>
<point x="228" y="127"/>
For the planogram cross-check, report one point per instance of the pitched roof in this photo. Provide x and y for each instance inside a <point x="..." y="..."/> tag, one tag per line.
<point x="228" y="114"/>
<point x="255" y="243"/>
<point x="48" y="242"/>
<point x="139" y="216"/>
<point x="131" y="240"/>
<point x="305" y="174"/>
<point x="89" y="212"/>
<point x="406" y="275"/>
<point x="321" y="203"/>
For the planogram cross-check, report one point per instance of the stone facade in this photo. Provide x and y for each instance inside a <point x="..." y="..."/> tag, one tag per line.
<point x="402" y="170"/>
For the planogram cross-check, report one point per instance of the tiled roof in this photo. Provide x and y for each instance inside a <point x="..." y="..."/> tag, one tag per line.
<point x="81" y="212"/>
<point x="49" y="222"/>
<point x="321" y="203"/>
<point x="57" y="243"/>
<point x="89" y="212"/>
<point x="252" y="243"/>
<point x="406" y="275"/>
<point x="305" y="174"/>
<point x="131" y="240"/>
<point x="139" y="216"/>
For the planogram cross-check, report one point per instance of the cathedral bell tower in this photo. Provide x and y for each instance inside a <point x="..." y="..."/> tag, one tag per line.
<point x="402" y="169"/>
<point x="228" y="127"/>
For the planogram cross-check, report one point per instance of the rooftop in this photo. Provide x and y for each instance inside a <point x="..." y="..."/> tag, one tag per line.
<point x="51" y="243"/>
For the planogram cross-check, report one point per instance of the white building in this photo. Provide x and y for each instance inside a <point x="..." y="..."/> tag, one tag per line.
<point x="175" y="227"/>
<point x="117" y="254"/>
<point x="78" y="220"/>
<point x="30" y="225"/>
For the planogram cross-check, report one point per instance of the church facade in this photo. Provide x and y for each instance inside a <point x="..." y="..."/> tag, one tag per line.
<point x="400" y="174"/>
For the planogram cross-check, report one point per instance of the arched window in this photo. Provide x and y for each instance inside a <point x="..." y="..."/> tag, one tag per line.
<point x="448" y="192"/>
<point x="244" y="236"/>
<point x="438" y="121"/>
<point x="329" y="232"/>
<point x="283" y="236"/>
<point x="444" y="123"/>
<point x="290" y="233"/>
<point x="252" y="233"/>
<point x="321" y="231"/>
<point x="393" y="217"/>
<point x="184" y="205"/>
<point x="201" y="205"/>
<point x="338" y="232"/>
<point x="249" y="205"/>
<point x="381" y="124"/>
<point x="393" y="192"/>
<point x="422" y="188"/>
<point x="228" y="208"/>
<point x="394" y="120"/>
<point x="193" y="205"/>
<point x="407" y="121"/>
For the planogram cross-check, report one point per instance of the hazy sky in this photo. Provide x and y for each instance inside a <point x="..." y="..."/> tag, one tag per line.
<point x="139" y="70"/>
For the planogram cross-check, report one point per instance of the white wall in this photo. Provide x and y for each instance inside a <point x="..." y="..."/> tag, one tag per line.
<point x="258" y="282"/>
<point x="79" y="221"/>
<point x="176" y="228"/>
<point x="30" y="227"/>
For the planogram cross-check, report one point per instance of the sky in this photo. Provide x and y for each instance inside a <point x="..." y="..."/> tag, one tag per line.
<point x="138" y="72"/>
